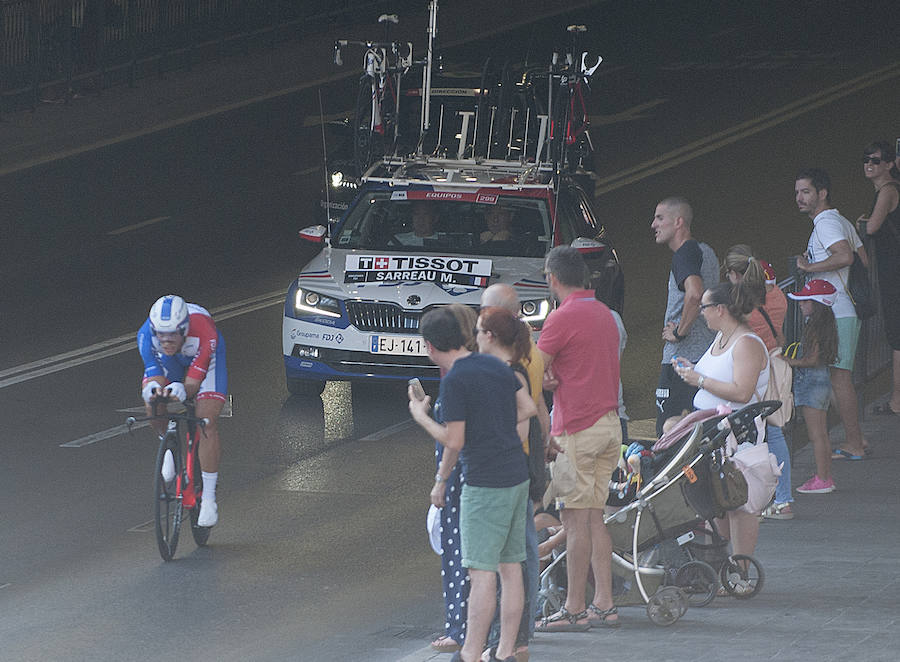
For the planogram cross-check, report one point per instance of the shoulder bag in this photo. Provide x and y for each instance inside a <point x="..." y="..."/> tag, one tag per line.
<point x="781" y="378"/>
<point x="729" y="487"/>
<point x="860" y="289"/>
<point x="857" y="286"/>
<point x="537" y="466"/>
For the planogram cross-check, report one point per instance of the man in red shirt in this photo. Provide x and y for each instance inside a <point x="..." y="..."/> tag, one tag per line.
<point x="580" y="346"/>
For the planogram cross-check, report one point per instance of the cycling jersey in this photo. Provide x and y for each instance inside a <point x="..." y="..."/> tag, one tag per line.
<point x="201" y="357"/>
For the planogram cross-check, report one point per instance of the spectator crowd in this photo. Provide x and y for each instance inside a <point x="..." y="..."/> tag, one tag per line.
<point x="723" y="347"/>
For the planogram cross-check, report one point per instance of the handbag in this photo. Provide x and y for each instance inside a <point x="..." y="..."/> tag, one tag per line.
<point x="781" y="379"/>
<point x="761" y="471"/>
<point x="562" y="481"/>
<point x="729" y="487"/>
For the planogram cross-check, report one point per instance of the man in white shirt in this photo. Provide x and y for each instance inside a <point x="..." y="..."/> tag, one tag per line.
<point x="828" y="256"/>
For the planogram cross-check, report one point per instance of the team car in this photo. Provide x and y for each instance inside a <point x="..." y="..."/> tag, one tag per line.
<point x="428" y="232"/>
<point x="422" y="229"/>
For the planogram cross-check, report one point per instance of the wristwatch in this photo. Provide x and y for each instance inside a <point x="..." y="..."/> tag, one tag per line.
<point x="438" y="478"/>
<point x="678" y="336"/>
<point x="700" y="381"/>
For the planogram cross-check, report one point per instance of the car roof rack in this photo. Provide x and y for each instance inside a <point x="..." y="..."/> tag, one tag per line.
<point x="460" y="172"/>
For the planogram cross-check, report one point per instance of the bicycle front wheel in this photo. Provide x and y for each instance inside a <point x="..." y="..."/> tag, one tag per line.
<point x="166" y="504"/>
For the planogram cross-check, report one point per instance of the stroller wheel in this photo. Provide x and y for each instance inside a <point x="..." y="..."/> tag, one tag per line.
<point x="742" y="576"/>
<point x="667" y="605"/>
<point x="698" y="581"/>
<point x="551" y="600"/>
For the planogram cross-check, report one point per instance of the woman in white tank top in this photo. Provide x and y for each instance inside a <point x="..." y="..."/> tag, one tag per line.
<point x="733" y="371"/>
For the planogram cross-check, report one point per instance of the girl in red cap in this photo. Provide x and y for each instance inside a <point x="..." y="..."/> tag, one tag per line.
<point x="812" y="385"/>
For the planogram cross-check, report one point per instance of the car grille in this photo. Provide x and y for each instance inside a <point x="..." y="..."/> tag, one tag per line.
<point x="385" y="317"/>
<point x="382" y="317"/>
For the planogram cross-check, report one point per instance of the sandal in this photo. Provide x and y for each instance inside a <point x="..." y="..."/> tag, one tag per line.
<point x="445" y="644"/>
<point x="599" y="618"/>
<point x="563" y="621"/>
<point x="492" y="656"/>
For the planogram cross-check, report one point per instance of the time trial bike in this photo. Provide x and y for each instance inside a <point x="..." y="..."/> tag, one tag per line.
<point x="178" y="483"/>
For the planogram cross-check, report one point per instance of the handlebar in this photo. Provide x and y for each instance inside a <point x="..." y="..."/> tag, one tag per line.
<point x="396" y="48"/>
<point x="741" y="422"/>
<point x="186" y="417"/>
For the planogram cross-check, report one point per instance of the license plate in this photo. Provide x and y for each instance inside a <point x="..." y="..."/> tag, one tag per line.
<point x="399" y="345"/>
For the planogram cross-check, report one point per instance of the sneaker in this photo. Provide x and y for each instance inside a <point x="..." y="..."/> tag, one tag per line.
<point x="168" y="467"/>
<point x="779" y="511"/>
<point x="816" y="485"/>
<point x="209" y="514"/>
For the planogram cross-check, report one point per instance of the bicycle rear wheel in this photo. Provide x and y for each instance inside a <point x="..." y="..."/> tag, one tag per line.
<point x="200" y="533"/>
<point x="166" y="504"/>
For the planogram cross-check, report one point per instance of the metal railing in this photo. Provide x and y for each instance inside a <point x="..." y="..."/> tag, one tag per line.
<point x="873" y="354"/>
<point x="56" y="43"/>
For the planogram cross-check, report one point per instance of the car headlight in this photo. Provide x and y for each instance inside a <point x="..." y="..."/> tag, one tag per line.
<point x="534" y="310"/>
<point x="315" y="303"/>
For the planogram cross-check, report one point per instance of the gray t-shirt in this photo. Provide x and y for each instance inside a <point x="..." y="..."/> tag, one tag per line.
<point x="692" y="259"/>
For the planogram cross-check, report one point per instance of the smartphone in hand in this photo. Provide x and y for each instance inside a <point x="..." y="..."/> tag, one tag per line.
<point x="418" y="391"/>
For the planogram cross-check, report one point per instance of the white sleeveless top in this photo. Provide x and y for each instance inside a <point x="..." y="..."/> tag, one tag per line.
<point x="721" y="367"/>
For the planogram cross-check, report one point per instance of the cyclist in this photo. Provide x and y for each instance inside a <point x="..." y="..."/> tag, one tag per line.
<point x="184" y="357"/>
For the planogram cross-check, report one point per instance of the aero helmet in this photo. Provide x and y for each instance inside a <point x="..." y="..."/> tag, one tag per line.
<point x="169" y="315"/>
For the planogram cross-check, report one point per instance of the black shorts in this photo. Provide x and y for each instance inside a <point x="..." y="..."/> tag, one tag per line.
<point x="674" y="396"/>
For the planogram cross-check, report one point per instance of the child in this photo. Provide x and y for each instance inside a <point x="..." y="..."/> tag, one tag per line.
<point x="812" y="385"/>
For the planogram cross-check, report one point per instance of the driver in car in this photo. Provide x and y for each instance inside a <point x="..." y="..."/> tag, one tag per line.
<point x="497" y="219"/>
<point x="424" y="220"/>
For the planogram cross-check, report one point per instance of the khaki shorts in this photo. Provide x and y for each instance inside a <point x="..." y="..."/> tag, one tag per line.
<point x="595" y="452"/>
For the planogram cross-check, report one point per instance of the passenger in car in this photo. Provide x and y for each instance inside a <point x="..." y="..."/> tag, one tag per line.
<point x="424" y="220"/>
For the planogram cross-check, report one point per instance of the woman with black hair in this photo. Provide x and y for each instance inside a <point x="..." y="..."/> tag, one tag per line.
<point x="883" y="225"/>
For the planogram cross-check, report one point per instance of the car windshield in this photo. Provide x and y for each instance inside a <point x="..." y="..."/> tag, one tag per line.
<point x="508" y="226"/>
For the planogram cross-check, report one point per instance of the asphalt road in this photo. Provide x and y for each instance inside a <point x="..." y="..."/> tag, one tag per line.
<point x="321" y="553"/>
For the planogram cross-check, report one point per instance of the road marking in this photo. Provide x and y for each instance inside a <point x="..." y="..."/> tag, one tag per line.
<point x="143" y="527"/>
<point x="307" y="171"/>
<point x="113" y="346"/>
<point x="627" y="115"/>
<point x="129" y="228"/>
<point x="745" y="129"/>
<point x="105" y="434"/>
<point x="391" y="429"/>
<point x="319" y="120"/>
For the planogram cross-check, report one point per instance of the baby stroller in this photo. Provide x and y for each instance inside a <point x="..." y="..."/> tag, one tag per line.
<point x="658" y="559"/>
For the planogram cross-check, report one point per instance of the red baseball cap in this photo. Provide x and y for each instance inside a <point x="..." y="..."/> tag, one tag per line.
<point x="768" y="271"/>
<point x="817" y="290"/>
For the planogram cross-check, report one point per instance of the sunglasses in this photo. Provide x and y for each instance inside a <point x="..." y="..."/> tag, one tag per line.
<point x="874" y="159"/>
<point x="704" y="306"/>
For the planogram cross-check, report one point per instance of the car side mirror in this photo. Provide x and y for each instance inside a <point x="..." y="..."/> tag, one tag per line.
<point x="314" y="235"/>
<point x="587" y="247"/>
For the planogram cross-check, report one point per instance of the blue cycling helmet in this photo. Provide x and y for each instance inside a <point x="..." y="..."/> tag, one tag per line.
<point x="169" y="315"/>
